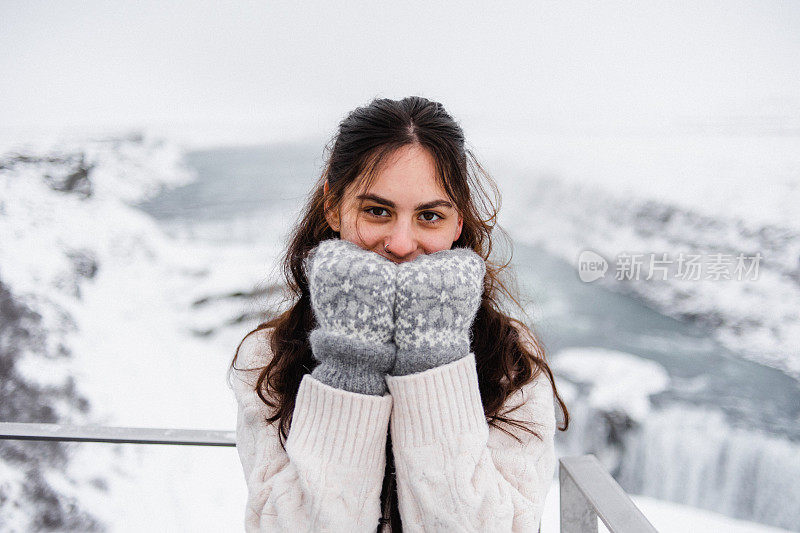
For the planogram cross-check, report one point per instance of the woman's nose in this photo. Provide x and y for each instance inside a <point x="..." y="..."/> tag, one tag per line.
<point x="401" y="241"/>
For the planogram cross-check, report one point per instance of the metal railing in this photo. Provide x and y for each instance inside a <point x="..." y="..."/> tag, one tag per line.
<point x="62" y="432"/>
<point x="587" y="490"/>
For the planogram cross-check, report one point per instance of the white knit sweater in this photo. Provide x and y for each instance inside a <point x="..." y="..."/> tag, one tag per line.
<point x="454" y="472"/>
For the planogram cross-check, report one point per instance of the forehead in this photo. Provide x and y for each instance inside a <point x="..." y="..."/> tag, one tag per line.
<point x="407" y="176"/>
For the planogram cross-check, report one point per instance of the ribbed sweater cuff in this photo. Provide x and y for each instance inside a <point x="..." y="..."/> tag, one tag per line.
<point x="339" y="426"/>
<point x="437" y="404"/>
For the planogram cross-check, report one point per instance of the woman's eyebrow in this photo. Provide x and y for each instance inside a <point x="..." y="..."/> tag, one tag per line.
<point x="420" y="207"/>
<point x="433" y="204"/>
<point x="375" y="198"/>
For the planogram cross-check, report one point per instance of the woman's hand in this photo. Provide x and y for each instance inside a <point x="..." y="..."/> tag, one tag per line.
<point x="353" y="297"/>
<point x="438" y="296"/>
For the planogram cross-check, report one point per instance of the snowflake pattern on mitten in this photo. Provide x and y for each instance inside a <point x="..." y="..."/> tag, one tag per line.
<point x="352" y="291"/>
<point x="352" y="295"/>
<point x="438" y="296"/>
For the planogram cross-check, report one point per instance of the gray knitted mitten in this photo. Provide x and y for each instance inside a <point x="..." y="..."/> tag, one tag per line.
<point x="438" y="296"/>
<point x="352" y="296"/>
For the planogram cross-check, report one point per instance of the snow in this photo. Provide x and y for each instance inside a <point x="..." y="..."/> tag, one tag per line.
<point x="130" y="329"/>
<point x="619" y="381"/>
<point x="676" y="193"/>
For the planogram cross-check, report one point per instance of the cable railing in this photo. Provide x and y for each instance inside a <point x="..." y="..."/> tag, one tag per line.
<point x="587" y="490"/>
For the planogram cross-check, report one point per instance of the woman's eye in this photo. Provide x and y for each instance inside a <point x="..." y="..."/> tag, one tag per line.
<point x="430" y="216"/>
<point x="377" y="211"/>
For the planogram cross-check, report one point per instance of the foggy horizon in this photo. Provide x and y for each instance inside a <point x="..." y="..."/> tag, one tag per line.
<point x="285" y="71"/>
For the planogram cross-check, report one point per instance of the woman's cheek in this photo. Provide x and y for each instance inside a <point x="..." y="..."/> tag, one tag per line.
<point x="436" y="243"/>
<point x="366" y="234"/>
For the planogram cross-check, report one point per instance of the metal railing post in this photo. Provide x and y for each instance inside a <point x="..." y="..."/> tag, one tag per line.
<point x="577" y="515"/>
<point x="588" y="491"/>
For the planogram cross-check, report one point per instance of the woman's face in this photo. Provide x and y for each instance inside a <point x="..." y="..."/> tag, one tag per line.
<point x="404" y="210"/>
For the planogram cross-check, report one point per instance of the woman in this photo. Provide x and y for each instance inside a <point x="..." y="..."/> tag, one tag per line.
<point x="395" y="316"/>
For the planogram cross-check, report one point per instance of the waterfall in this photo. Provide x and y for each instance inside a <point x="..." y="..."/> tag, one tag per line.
<point x="694" y="457"/>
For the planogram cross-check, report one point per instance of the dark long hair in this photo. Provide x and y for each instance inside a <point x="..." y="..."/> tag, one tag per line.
<point x="508" y="354"/>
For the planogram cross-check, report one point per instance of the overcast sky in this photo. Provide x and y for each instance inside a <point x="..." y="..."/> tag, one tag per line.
<point x="295" y="68"/>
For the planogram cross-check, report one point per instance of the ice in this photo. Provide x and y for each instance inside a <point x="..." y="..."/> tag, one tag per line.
<point x="618" y="381"/>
